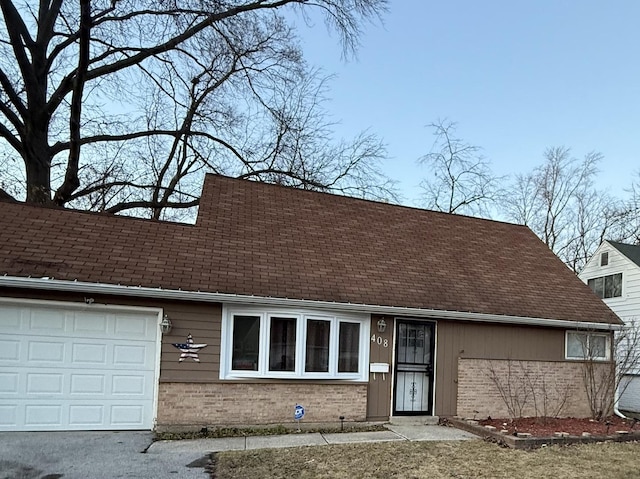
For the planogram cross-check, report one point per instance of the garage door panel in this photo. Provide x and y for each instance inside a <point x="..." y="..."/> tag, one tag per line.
<point x="92" y="354"/>
<point x="51" y="321"/>
<point x="86" y="384"/>
<point x="39" y="415"/>
<point x="9" y="350"/>
<point x="45" y="351"/>
<point x="74" y="370"/>
<point x="124" y="415"/>
<point x="9" y="383"/>
<point x="10" y="318"/>
<point x="86" y="415"/>
<point x="131" y="325"/>
<point x="134" y="385"/>
<point x="45" y="383"/>
<point x="130" y="356"/>
<point x="95" y="324"/>
<point x="8" y="416"/>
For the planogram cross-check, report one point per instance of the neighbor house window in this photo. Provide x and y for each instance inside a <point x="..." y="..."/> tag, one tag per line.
<point x="293" y="344"/>
<point x="581" y="345"/>
<point x="607" y="286"/>
<point x="604" y="259"/>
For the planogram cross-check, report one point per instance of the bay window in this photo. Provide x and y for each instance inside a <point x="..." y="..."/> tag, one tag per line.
<point x="262" y="343"/>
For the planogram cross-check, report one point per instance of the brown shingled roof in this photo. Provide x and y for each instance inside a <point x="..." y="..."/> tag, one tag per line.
<point x="266" y="240"/>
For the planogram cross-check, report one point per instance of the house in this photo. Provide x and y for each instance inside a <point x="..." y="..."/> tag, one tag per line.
<point x="613" y="273"/>
<point x="278" y="297"/>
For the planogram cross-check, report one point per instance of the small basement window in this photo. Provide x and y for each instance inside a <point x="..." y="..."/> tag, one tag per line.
<point x="587" y="346"/>
<point x="293" y="344"/>
<point x="609" y="286"/>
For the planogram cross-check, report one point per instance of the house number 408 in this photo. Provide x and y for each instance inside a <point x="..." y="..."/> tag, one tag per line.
<point x="379" y="340"/>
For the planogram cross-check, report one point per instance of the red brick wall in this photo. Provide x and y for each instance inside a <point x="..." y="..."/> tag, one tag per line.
<point x="225" y="404"/>
<point x="540" y="387"/>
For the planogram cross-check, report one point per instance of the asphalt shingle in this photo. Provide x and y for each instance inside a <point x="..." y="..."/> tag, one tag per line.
<point x="267" y="240"/>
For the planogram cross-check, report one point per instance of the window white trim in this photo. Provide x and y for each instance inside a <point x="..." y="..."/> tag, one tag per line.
<point x="588" y="336"/>
<point x="301" y="316"/>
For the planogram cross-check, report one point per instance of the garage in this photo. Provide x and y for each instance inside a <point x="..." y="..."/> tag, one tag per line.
<point x="71" y="366"/>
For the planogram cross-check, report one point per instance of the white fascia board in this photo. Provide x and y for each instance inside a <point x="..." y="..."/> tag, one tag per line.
<point x="172" y="294"/>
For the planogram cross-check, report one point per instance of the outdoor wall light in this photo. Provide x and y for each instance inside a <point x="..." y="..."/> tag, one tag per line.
<point x="165" y="325"/>
<point x="382" y="325"/>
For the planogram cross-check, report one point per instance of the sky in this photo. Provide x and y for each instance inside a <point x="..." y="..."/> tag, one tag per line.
<point x="516" y="76"/>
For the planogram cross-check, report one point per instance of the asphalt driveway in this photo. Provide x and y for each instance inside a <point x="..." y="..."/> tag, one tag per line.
<point x="96" y="455"/>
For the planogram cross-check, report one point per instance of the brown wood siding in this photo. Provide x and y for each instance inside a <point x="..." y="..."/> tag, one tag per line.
<point x="458" y="339"/>
<point x="379" y="392"/>
<point x="203" y="322"/>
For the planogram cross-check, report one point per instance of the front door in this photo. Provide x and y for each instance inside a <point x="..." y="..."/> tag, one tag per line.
<point x="414" y="368"/>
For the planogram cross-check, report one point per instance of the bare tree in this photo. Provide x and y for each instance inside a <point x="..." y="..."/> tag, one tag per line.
<point x="524" y="388"/>
<point x="460" y="179"/>
<point x="603" y="378"/>
<point x="114" y="105"/>
<point x="559" y="202"/>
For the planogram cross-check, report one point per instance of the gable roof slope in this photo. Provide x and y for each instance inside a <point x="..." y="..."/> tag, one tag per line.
<point x="271" y="241"/>
<point x="629" y="250"/>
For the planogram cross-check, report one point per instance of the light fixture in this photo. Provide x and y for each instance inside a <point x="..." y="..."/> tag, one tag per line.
<point x="165" y="325"/>
<point x="382" y="325"/>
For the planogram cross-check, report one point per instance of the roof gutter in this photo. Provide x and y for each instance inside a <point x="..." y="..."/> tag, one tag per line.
<point x="160" y="293"/>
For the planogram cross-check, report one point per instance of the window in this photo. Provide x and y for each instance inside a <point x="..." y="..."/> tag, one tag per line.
<point x="587" y="346"/>
<point x="604" y="259"/>
<point x="246" y="332"/>
<point x="282" y="344"/>
<point x="317" y="352"/>
<point x="607" y="286"/>
<point x="293" y="344"/>
<point x="348" y="347"/>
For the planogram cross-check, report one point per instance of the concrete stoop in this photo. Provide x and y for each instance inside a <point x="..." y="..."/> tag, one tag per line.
<point x="414" y="420"/>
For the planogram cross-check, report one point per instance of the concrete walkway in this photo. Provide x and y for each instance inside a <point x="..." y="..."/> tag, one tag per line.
<point x="203" y="447"/>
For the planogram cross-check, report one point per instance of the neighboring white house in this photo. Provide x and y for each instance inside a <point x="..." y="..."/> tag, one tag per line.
<point x="613" y="273"/>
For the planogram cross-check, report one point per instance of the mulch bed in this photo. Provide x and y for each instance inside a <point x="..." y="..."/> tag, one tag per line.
<point x="546" y="427"/>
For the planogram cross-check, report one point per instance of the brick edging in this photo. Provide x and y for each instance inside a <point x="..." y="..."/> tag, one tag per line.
<point x="536" y="442"/>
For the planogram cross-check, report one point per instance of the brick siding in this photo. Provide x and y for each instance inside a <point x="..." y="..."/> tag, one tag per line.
<point x="540" y="386"/>
<point x="224" y="404"/>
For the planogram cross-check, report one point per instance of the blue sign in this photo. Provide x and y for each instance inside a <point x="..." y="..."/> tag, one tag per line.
<point x="299" y="413"/>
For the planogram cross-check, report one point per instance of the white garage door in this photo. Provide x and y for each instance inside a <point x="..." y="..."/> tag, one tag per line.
<point x="66" y="368"/>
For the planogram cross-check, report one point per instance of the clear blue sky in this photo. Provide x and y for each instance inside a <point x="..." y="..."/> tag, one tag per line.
<point x="516" y="75"/>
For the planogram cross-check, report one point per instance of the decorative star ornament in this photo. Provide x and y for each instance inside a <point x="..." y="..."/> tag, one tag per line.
<point x="189" y="349"/>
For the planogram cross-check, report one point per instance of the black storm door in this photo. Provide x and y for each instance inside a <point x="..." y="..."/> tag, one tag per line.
<point x="414" y="368"/>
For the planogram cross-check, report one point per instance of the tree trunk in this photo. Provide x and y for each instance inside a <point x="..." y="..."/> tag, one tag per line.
<point x="37" y="160"/>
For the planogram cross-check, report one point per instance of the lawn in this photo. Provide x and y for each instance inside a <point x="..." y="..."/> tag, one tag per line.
<point x="433" y="460"/>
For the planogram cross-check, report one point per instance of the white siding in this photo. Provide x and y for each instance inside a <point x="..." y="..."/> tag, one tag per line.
<point x="630" y="397"/>
<point x="627" y="307"/>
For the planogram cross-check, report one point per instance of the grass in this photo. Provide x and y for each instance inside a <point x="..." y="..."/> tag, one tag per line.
<point x="433" y="460"/>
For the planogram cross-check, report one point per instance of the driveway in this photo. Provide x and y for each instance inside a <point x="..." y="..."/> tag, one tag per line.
<point x="96" y="455"/>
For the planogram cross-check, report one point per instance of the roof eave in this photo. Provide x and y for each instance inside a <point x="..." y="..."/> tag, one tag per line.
<point x="202" y="296"/>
